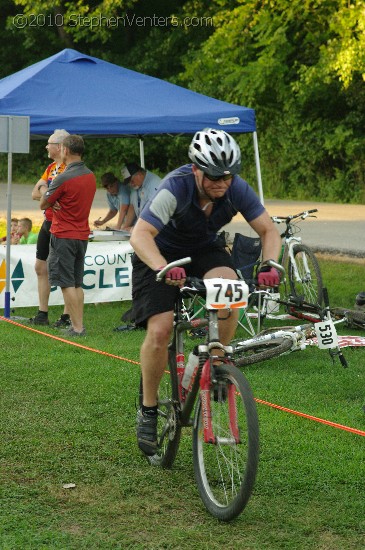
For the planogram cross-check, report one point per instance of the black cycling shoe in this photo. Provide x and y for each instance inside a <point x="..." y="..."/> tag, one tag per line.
<point x="63" y="322"/>
<point x="39" y="319"/>
<point x="147" y="433"/>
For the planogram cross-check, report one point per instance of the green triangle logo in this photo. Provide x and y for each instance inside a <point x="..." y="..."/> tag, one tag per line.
<point x="17" y="277"/>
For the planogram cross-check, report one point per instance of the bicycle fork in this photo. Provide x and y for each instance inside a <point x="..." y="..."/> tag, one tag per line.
<point x="205" y="395"/>
<point x="307" y="273"/>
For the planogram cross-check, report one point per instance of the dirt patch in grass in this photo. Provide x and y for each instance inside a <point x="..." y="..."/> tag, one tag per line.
<point x="332" y="257"/>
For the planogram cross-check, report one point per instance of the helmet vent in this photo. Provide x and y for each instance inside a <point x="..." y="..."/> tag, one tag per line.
<point x="215" y="152"/>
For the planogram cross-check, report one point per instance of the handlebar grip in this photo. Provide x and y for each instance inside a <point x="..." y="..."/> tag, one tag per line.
<point x="314" y="210"/>
<point x="277" y="266"/>
<point x="169" y="266"/>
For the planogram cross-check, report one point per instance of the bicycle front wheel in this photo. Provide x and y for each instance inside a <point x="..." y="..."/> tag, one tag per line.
<point x="307" y="282"/>
<point x="225" y="470"/>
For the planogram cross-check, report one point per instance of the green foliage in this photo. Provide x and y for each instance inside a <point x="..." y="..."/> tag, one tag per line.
<point x="274" y="57"/>
<point x="300" y="65"/>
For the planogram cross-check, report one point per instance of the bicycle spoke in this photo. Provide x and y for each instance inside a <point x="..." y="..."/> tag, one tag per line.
<point x="225" y="471"/>
<point x="305" y="276"/>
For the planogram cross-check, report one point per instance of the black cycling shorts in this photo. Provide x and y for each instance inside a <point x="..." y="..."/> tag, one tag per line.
<point x="43" y="241"/>
<point x="150" y="297"/>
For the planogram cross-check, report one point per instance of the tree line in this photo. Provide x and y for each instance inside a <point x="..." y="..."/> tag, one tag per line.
<point x="299" y="64"/>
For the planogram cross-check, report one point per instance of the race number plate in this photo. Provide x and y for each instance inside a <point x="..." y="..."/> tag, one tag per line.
<point x="326" y="334"/>
<point x="226" y="294"/>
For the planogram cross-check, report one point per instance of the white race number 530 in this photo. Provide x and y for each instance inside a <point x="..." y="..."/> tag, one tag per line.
<point x="326" y="334"/>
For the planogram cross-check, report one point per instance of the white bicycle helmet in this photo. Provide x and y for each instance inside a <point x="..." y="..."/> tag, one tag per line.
<point x="215" y="152"/>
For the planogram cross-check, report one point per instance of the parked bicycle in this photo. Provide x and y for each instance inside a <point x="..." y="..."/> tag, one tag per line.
<point x="301" y="289"/>
<point x="224" y="423"/>
<point x="276" y="341"/>
<point x="301" y="265"/>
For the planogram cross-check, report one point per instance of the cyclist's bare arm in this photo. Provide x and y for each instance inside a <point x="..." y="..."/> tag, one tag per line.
<point x="269" y="235"/>
<point x="143" y="243"/>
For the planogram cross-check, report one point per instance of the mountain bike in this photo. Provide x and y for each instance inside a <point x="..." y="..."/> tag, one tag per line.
<point x="301" y="289"/>
<point x="218" y="403"/>
<point x="276" y="341"/>
<point x="301" y="265"/>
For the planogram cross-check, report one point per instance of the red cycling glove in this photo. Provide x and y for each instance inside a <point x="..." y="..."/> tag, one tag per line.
<point x="176" y="274"/>
<point x="268" y="276"/>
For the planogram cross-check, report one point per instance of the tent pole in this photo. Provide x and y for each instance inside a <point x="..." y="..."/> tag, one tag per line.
<point x="141" y="152"/>
<point x="258" y="169"/>
<point x="8" y="222"/>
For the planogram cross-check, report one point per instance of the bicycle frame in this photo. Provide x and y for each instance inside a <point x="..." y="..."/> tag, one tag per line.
<point x="290" y="241"/>
<point x="297" y="336"/>
<point x="205" y="372"/>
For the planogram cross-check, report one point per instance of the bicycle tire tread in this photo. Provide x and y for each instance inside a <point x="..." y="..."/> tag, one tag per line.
<point x="271" y="350"/>
<point x="233" y="509"/>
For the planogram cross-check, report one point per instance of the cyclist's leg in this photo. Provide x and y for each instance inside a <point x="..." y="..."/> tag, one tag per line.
<point x="153" y="363"/>
<point x="228" y="319"/>
<point x="154" y="354"/>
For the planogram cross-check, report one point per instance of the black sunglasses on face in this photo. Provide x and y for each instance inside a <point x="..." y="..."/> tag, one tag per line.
<point x="224" y="177"/>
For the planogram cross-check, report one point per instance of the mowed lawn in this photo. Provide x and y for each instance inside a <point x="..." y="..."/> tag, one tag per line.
<point x="68" y="417"/>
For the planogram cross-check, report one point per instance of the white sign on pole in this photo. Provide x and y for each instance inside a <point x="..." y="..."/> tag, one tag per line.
<point x="16" y="140"/>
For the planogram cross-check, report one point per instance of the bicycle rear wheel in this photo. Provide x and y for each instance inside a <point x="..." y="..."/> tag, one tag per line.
<point x="225" y="471"/>
<point x="258" y="350"/>
<point x="168" y="424"/>
<point x="309" y="287"/>
<point x="353" y="318"/>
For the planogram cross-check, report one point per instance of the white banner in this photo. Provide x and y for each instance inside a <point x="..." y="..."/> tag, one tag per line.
<point x="107" y="274"/>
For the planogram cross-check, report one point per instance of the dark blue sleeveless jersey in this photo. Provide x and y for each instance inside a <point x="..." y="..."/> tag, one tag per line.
<point x="183" y="227"/>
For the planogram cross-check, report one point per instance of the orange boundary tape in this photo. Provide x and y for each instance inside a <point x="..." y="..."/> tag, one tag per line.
<point x="261" y="401"/>
<point x="310" y="417"/>
<point x="68" y="341"/>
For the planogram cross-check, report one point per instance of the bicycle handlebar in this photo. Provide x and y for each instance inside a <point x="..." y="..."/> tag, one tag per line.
<point x="288" y="219"/>
<point x="169" y="266"/>
<point x="277" y="266"/>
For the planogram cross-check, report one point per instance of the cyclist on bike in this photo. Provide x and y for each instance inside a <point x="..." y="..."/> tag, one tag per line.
<point x="191" y="205"/>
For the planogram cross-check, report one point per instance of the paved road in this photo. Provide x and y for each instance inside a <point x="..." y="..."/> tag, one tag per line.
<point x="338" y="228"/>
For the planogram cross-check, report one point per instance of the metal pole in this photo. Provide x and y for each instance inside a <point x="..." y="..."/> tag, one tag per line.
<point x="8" y="221"/>
<point x="258" y="169"/>
<point x="141" y="152"/>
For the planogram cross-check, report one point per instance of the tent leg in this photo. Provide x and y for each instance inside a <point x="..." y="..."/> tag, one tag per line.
<point x="258" y="169"/>
<point x="141" y="152"/>
<point x="8" y="228"/>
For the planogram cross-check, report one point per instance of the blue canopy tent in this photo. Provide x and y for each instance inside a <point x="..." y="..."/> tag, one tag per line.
<point x="89" y="96"/>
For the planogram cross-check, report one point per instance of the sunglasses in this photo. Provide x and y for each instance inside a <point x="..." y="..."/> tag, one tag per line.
<point x="224" y="177"/>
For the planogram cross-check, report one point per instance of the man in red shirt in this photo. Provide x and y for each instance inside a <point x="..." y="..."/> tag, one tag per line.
<point x="53" y="148"/>
<point x="74" y="192"/>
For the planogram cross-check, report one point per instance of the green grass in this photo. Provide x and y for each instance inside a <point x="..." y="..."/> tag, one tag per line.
<point x="67" y="416"/>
